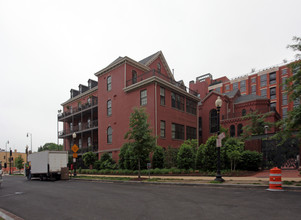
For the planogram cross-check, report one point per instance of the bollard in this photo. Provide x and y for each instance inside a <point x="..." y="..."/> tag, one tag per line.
<point x="275" y="183"/>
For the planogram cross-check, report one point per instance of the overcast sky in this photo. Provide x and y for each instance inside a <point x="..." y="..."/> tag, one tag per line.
<point x="49" y="47"/>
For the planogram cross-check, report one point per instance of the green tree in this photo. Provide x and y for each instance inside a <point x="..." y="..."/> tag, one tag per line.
<point x="291" y="125"/>
<point x="186" y="157"/>
<point x="122" y="152"/>
<point x="89" y="158"/>
<point x="158" y="158"/>
<point x="51" y="147"/>
<point x="19" y="162"/>
<point x="207" y="154"/>
<point x="233" y="148"/>
<point x="140" y="134"/>
<point x="257" y="122"/>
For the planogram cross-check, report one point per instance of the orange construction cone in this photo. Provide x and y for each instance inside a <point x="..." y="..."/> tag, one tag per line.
<point x="275" y="180"/>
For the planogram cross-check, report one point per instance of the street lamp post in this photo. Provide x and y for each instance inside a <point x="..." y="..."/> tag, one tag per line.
<point x="74" y="159"/>
<point x="7" y="142"/>
<point x="218" y="104"/>
<point x="30" y="140"/>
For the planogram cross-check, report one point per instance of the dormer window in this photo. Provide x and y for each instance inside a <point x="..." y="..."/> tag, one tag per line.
<point x="159" y="68"/>
<point x="90" y="84"/>
<point x="80" y="89"/>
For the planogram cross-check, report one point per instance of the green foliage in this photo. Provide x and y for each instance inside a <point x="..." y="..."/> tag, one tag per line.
<point x="158" y="157"/>
<point x="89" y="158"/>
<point x="105" y="162"/>
<point x="141" y="134"/>
<point x="122" y="152"/>
<point x="250" y="160"/>
<point x="170" y="157"/>
<point x="131" y="159"/>
<point x="257" y="122"/>
<point x="19" y="162"/>
<point x="186" y="157"/>
<point x="207" y="155"/>
<point x="51" y="147"/>
<point x="291" y="125"/>
<point x="233" y="150"/>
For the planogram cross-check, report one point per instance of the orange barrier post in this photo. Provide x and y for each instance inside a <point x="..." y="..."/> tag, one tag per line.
<point x="275" y="183"/>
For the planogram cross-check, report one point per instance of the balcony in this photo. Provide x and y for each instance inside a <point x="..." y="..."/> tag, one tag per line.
<point x="155" y="73"/>
<point x="83" y="150"/>
<point x="83" y="127"/>
<point x="84" y="107"/>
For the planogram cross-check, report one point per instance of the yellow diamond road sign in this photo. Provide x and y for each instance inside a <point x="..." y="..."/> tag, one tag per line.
<point x="74" y="148"/>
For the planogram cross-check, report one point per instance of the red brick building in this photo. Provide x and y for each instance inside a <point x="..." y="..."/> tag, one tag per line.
<point x="122" y="86"/>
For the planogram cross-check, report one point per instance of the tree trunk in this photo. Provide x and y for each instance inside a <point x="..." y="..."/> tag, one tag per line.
<point x="139" y="176"/>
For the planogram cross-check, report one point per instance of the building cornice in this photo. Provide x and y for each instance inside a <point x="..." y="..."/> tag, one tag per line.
<point x="80" y="96"/>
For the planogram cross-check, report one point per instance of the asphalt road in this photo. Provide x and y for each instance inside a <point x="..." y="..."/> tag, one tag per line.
<point x="105" y="200"/>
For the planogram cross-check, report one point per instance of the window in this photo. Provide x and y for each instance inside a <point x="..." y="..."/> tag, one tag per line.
<point x="253" y="80"/>
<point x="162" y="96"/>
<point x="89" y="101"/>
<point x="79" y="126"/>
<point x="89" y="84"/>
<point x="243" y="112"/>
<point x="284" y="112"/>
<point x="79" y="105"/>
<point x="254" y="89"/>
<point x="134" y="76"/>
<point x="296" y="102"/>
<point x="89" y="141"/>
<point x="284" y="99"/>
<point x="272" y="78"/>
<point x="109" y="135"/>
<point x="295" y="70"/>
<point x="177" y="131"/>
<point x="243" y="86"/>
<point x="177" y="101"/>
<point x="263" y="80"/>
<point x="218" y="89"/>
<point x="159" y="67"/>
<point x="190" y="133"/>
<point x="89" y="122"/>
<point x="273" y="93"/>
<point x="273" y="106"/>
<point x="162" y="129"/>
<point x="143" y="97"/>
<point x="284" y="71"/>
<point x="190" y="106"/>
<point x="284" y="83"/>
<point x="213" y="125"/>
<point x="239" y="130"/>
<point x="232" y="130"/>
<point x="235" y="85"/>
<point x="80" y="143"/>
<point x="263" y="92"/>
<point x="227" y="87"/>
<point x="109" y="108"/>
<point x="109" y="83"/>
<point x="71" y="126"/>
<point x="71" y="109"/>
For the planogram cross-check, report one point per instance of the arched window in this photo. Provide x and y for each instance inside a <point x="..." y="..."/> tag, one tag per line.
<point x="232" y="130"/>
<point x="109" y="83"/>
<point x="109" y="107"/>
<point x="213" y="125"/>
<point x="239" y="130"/>
<point x="134" y="76"/>
<point x="243" y="112"/>
<point x="159" y="67"/>
<point x="109" y="135"/>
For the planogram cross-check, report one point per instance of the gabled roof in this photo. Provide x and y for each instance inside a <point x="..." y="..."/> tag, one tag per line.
<point x="232" y="93"/>
<point x="150" y="58"/>
<point x="246" y="98"/>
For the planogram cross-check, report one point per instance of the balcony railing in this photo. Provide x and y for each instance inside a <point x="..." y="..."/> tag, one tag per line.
<point x="240" y="114"/>
<point x="87" y="105"/>
<point x="82" y="127"/>
<point x="151" y="73"/>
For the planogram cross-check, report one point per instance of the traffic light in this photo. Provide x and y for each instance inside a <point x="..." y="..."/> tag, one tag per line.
<point x="10" y="153"/>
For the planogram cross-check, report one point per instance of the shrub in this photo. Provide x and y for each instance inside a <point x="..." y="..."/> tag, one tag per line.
<point x="250" y="160"/>
<point x="207" y="156"/>
<point x="131" y="160"/>
<point x="89" y="158"/>
<point x="186" y="157"/>
<point x="122" y="155"/>
<point x="170" y="157"/>
<point x="158" y="157"/>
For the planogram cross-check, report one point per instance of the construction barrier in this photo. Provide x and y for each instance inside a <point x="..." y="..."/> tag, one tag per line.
<point x="275" y="183"/>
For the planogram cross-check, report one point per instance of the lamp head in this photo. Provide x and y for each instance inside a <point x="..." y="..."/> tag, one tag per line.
<point x="74" y="135"/>
<point x="218" y="102"/>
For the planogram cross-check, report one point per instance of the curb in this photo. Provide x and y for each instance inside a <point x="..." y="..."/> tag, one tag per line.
<point x="221" y="185"/>
<point x="9" y="216"/>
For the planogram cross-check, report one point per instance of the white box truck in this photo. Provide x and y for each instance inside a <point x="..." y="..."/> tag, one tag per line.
<point x="47" y="164"/>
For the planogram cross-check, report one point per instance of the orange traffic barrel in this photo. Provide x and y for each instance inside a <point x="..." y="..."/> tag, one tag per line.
<point x="275" y="183"/>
